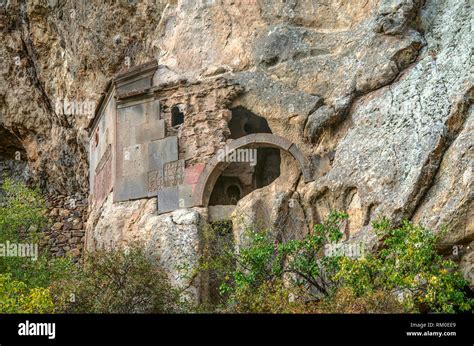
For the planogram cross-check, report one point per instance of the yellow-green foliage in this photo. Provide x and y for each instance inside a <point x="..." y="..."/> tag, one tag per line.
<point x="21" y="209"/>
<point x="345" y="301"/>
<point x="109" y="282"/>
<point x="264" y="276"/>
<point x="16" y="297"/>
<point x="409" y="266"/>
<point x="406" y="275"/>
<point x="23" y="282"/>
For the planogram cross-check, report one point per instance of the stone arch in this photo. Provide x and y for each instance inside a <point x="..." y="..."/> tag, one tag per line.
<point x="216" y="166"/>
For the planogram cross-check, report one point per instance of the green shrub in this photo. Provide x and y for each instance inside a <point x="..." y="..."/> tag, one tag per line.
<point x="16" y="297"/>
<point x="108" y="282"/>
<point x="24" y="281"/>
<point x="406" y="275"/>
<point x="265" y="274"/>
<point x="345" y="301"/>
<point x="22" y="210"/>
<point x="408" y="266"/>
<point x="117" y="282"/>
<point x="22" y="217"/>
<point x="114" y="282"/>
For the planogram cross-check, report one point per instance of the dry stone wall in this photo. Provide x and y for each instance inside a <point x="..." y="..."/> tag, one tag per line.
<point x="66" y="234"/>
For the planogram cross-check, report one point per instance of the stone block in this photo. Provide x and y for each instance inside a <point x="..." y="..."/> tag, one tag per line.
<point x="273" y="140"/>
<point x="106" y="156"/>
<point x="305" y="165"/>
<point x="168" y="199"/>
<point x="151" y="131"/>
<point x="135" y="85"/>
<point x="192" y="173"/>
<point x="216" y="159"/>
<point x="137" y="186"/>
<point x="102" y="182"/>
<point x="135" y="114"/>
<point x="185" y="196"/>
<point x="92" y="158"/>
<point x="241" y="142"/>
<point x="135" y="160"/>
<point x="131" y="187"/>
<point x="155" y="160"/>
<point x="118" y="161"/>
<point x="119" y="191"/>
<point x="123" y="134"/>
<point x="157" y="129"/>
<point x="161" y="151"/>
<point x="154" y="182"/>
<point x="133" y="133"/>
<point x="173" y="173"/>
<point x="152" y="111"/>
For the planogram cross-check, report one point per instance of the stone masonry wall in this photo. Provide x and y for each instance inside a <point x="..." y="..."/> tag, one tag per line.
<point x="206" y="116"/>
<point x="66" y="235"/>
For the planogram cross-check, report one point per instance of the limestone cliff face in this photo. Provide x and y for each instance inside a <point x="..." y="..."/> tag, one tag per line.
<point x="377" y="94"/>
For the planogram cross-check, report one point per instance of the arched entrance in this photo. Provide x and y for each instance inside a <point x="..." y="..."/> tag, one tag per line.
<point x="217" y="165"/>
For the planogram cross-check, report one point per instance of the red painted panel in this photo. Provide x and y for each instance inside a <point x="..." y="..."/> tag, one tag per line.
<point x="192" y="173"/>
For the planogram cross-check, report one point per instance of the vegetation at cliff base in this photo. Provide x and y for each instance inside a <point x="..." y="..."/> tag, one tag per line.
<point x="107" y="282"/>
<point x="263" y="274"/>
<point x="406" y="274"/>
<point x="24" y="279"/>
<point x="117" y="282"/>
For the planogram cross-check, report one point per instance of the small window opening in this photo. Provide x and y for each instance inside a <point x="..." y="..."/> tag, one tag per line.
<point x="177" y="117"/>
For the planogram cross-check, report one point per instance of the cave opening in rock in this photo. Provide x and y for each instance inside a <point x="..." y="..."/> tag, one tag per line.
<point x="244" y="122"/>
<point x="177" y="117"/>
<point x="241" y="178"/>
<point x="13" y="161"/>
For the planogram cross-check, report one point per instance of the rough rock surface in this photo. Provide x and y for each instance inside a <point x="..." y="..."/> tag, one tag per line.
<point x="378" y="95"/>
<point x="171" y="237"/>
